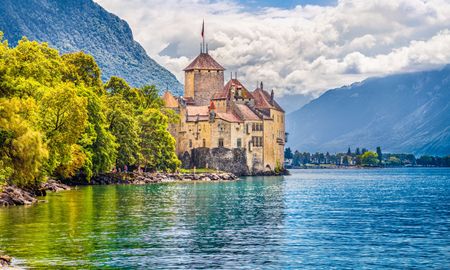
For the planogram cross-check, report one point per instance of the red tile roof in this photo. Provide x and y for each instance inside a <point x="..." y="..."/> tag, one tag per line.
<point x="263" y="100"/>
<point x="246" y="113"/>
<point x="194" y="110"/>
<point x="197" y="113"/>
<point x="204" y="61"/>
<point x="225" y="93"/>
<point x="229" y="117"/>
<point x="169" y="100"/>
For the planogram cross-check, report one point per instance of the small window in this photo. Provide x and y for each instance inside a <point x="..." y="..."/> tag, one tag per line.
<point x="204" y="143"/>
<point x="190" y="143"/>
<point x="220" y="142"/>
<point x="239" y="143"/>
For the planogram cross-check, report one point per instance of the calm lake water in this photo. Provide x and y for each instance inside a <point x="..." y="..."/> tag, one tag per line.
<point x="313" y="219"/>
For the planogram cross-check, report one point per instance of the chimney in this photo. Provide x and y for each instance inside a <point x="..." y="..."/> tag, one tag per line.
<point x="271" y="97"/>
<point x="201" y="50"/>
<point x="261" y="86"/>
<point x="235" y="75"/>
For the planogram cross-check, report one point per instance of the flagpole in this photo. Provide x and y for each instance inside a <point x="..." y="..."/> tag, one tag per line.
<point x="203" y="35"/>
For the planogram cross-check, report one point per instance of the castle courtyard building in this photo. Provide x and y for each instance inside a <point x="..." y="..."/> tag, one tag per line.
<point x="225" y="126"/>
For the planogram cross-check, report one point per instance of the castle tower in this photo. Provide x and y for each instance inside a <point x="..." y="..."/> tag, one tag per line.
<point x="203" y="77"/>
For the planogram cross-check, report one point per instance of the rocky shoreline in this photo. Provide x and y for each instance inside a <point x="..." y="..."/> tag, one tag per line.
<point x="149" y="178"/>
<point x="5" y="261"/>
<point x="12" y="195"/>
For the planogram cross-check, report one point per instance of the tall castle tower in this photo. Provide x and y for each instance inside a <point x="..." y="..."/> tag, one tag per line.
<point x="203" y="77"/>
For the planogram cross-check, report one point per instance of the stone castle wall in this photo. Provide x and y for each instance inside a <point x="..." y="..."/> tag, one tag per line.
<point x="223" y="159"/>
<point x="206" y="83"/>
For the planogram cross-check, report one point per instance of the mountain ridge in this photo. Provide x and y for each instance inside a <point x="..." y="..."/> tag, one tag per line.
<point x="401" y="113"/>
<point x="84" y="25"/>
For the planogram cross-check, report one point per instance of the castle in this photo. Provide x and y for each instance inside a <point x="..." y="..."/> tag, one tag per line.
<point x="226" y="126"/>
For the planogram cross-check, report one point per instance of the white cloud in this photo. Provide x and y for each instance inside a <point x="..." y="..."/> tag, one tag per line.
<point x="307" y="49"/>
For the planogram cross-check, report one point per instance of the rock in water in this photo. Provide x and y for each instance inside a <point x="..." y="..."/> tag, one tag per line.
<point x="5" y="260"/>
<point x="12" y="195"/>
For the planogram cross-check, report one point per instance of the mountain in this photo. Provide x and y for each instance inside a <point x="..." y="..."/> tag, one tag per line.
<point x="291" y="103"/>
<point x="82" y="25"/>
<point x="401" y="113"/>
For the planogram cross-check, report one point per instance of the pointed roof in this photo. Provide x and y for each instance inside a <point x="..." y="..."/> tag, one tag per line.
<point x="204" y="61"/>
<point x="225" y="93"/>
<point x="169" y="100"/>
<point x="263" y="100"/>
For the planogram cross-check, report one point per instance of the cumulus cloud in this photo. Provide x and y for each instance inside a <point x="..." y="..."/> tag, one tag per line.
<point x="307" y="49"/>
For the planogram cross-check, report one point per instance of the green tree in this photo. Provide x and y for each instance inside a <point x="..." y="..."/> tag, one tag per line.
<point x="394" y="161"/>
<point x="151" y="97"/>
<point x="23" y="151"/>
<point x="82" y="69"/>
<point x="380" y="155"/>
<point x="124" y="125"/>
<point x="157" y="144"/>
<point x="98" y="143"/>
<point x="28" y="69"/>
<point x="288" y="153"/>
<point x="345" y="160"/>
<point x="369" y="158"/>
<point x="63" y="118"/>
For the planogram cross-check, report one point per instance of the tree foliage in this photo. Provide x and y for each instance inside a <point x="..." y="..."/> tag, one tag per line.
<point x="158" y="146"/>
<point x="58" y="119"/>
<point x="22" y="148"/>
<point x="369" y="158"/>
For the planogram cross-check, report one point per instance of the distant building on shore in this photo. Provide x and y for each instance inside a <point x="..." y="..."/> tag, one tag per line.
<point x="226" y="126"/>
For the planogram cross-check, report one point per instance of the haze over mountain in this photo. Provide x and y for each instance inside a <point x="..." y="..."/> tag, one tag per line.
<point x="83" y="25"/>
<point x="401" y="113"/>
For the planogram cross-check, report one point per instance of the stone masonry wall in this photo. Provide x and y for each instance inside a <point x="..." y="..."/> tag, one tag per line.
<point x="223" y="159"/>
<point x="206" y="83"/>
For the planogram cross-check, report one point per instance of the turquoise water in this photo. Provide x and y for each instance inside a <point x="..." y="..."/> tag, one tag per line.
<point x="313" y="219"/>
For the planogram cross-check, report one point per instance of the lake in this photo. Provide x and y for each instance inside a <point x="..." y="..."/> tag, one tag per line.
<point x="312" y="219"/>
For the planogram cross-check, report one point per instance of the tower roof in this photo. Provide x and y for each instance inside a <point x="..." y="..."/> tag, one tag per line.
<point x="204" y="61"/>
<point x="169" y="100"/>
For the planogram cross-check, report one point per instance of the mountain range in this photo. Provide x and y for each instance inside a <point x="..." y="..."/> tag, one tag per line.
<point x="83" y="25"/>
<point x="407" y="113"/>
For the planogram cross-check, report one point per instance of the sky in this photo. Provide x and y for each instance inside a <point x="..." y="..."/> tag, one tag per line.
<point x="294" y="47"/>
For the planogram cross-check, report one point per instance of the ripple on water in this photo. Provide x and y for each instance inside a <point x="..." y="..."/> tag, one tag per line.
<point x="391" y="218"/>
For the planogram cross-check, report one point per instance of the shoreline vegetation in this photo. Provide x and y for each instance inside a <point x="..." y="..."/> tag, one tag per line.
<point x="360" y="158"/>
<point x="58" y="120"/>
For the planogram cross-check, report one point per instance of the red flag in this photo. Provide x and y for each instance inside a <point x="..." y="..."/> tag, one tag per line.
<point x="203" y="29"/>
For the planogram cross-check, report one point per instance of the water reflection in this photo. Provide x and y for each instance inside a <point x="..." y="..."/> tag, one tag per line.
<point x="347" y="219"/>
<point x="180" y="225"/>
